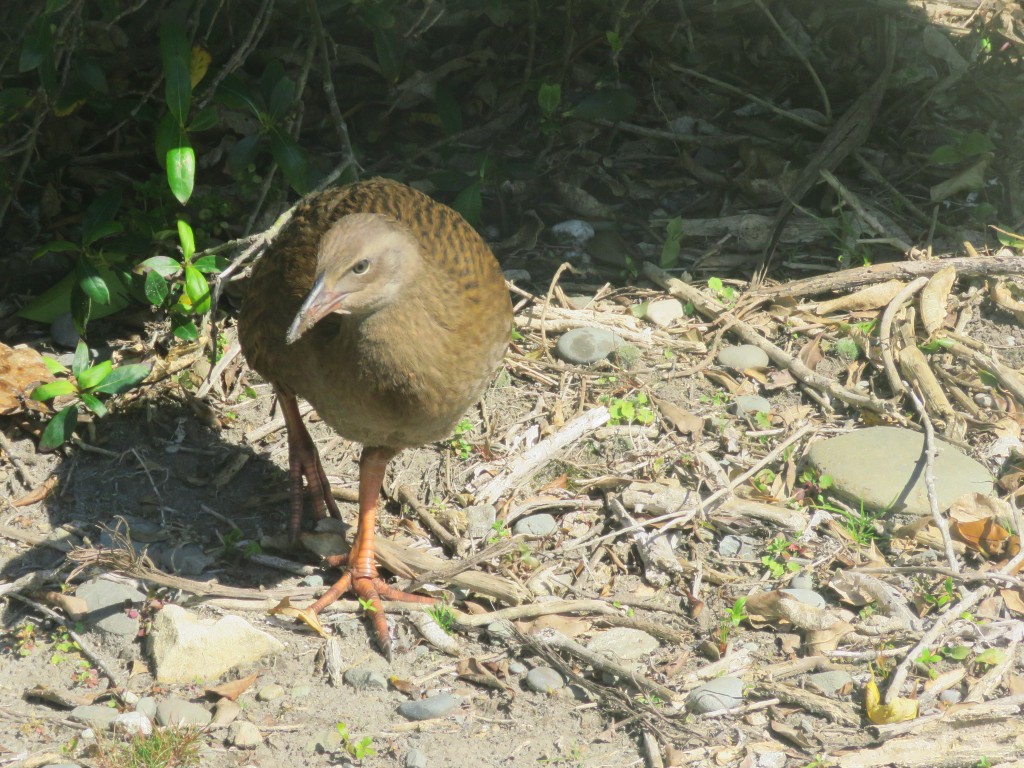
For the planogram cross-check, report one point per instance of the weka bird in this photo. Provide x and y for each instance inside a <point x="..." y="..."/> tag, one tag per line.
<point x="387" y="311"/>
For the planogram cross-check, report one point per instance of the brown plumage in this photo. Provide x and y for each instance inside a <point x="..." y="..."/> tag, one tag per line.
<point x="387" y="311"/>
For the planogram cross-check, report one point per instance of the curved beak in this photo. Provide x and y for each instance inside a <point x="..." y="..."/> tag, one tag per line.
<point x="320" y="302"/>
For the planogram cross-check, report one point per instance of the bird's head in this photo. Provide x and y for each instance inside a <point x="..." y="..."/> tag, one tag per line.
<point x="364" y="262"/>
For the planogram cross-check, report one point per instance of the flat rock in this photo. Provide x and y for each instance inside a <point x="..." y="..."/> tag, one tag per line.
<point x="414" y="758"/>
<point x="107" y="601"/>
<point x="582" y="346"/>
<point x="270" y="692"/>
<point x="544" y="680"/>
<point x="429" y="708"/>
<point x="186" y="647"/>
<point x="184" y="559"/>
<point x="883" y="468"/>
<point x="364" y="677"/>
<point x="97" y="716"/>
<point x="740" y="357"/>
<point x="181" y="713"/>
<point x="720" y="693"/>
<point x="535" y="525"/>
<point x="831" y="682"/>
<point x="624" y="642"/>
<point x="806" y="596"/>
<point x="479" y="520"/>
<point x="132" y="724"/>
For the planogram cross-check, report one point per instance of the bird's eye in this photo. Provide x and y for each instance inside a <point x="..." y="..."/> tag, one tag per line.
<point x="360" y="267"/>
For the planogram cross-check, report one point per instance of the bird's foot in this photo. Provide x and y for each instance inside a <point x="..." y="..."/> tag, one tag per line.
<point x="371" y="590"/>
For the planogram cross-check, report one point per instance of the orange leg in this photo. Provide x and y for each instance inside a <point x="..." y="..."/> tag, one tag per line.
<point x="304" y="462"/>
<point x="361" y="576"/>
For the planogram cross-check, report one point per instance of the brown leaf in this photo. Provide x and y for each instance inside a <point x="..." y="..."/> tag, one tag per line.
<point x="1014" y="600"/>
<point x="811" y="353"/>
<point x="487" y="674"/>
<point x="38" y="494"/>
<point x="232" y="689"/>
<point x="934" y="299"/>
<point x="872" y="297"/>
<point x="285" y="608"/>
<point x="684" y="422"/>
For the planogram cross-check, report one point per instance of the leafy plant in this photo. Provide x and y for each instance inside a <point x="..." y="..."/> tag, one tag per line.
<point x="85" y="383"/>
<point x="673" y="243"/>
<point x="444" y="616"/>
<point x="164" y="748"/>
<point x="779" y="560"/>
<point x="360" y="749"/>
<point x="724" y="292"/>
<point x="626" y="410"/>
<point x="501" y="531"/>
<point x="928" y="659"/>
<point x="367" y="605"/>
<point x="734" y="616"/>
<point x="462" y="447"/>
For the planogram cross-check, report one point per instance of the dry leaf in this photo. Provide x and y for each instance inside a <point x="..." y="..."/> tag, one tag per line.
<point x="821" y="641"/>
<point x="1001" y="296"/>
<point x="232" y="689"/>
<point x="811" y="353"/>
<point x="899" y="711"/>
<point x="1014" y="600"/>
<point x="872" y="297"/>
<point x="38" y="494"/>
<point x="684" y="422"/>
<point x="285" y="608"/>
<point x="487" y="674"/>
<point x="934" y="299"/>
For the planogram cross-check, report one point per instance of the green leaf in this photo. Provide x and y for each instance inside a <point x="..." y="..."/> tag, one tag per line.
<point x="57" y="299"/>
<point x="123" y="378"/>
<point x="181" y="170"/>
<point x="197" y="290"/>
<point x="55" y="246"/>
<point x="100" y="215"/>
<point x="92" y="282"/>
<point x="448" y="110"/>
<point x="612" y="105"/>
<point x="38" y="46"/>
<point x="45" y="392"/>
<point x="60" y="428"/>
<point x="549" y="96"/>
<point x="164" y="266"/>
<point x="390" y="50"/>
<point x="243" y="153"/>
<point x="155" y="288"/>
<point x="990" y="656"/>
<point x="81" y="359"/>
<point x="187" y="239"/>
<point x="53" y="366"/>
<point x="93" y="404"/>
<point x="469" y="203"/>
<point x="184" y="329"/>
<point x="233" y="93"/>
<point x="211" y="264"/>
<point x="204" y="119"/>
<point x="292" y="159"/>
<point x="975" y="143"/>
<point x="281" y="97"/>
<point x="176" y="54"/>
<point x="90" y="378"/>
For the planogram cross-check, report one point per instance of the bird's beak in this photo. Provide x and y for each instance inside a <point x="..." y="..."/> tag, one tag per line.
<point x="320" y="302"/>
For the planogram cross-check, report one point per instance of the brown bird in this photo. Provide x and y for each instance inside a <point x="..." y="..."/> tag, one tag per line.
<point x="388" y="312"/>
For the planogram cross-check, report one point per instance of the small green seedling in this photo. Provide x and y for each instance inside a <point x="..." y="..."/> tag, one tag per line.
<point x="626" y="410"/>
<point x="462" y="447"/>
<point x="86" y="382"/>
<point x="724" y="292"/>
<point x="444" y="616"/>
<point x="360" y="749"/>
<point x="367" y="605"/>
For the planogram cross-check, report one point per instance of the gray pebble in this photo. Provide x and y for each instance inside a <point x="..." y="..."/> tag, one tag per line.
<point x="802" y="580"/>
<point x="807" y="597"/>
<point x="500" y="630"/>
<point x="623" y="642"/>
<point x="720" y="693"/>
<point x="428" y="709"/>
<point x="742" y="356"/>
<point x="415" y="759"/>
<point x="582" y="346"/>
<point x="736" y="546"/>
<point x="63" y="331"/>
<point x="517" y="667"/>
<point x="544" y="680"/>
<point x="244" y="735"/>
<point x="950" y="696"/>
<point x="180" y="713"/>
<point x="535" y="525"/>
<point x="107" y="601"/>
<point x="572" y="232"/>
<point x="664" y="312"/>
<point x="750" y="405"/>
<point x="364" y="677"/>
<point x="314" y="580"/>
<point x="517" y="275"/>
<point x="270" y="692"/>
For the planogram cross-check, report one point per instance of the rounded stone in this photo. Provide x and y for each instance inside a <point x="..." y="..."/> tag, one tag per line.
<point x="535" y="525"/>
<point x="414" y="758"/>
<point x="97" y="716"/>
<point x="832" y="682"/>
<point x="582" y="346"/>
<point x="740" y="357"/>
<point x="270" y="692"/>
<point x="428" y="709"/>
<point x="883" y="468"/>
<point x="544" y="680"/>
<point x="623" y="642"/>
<point x="147" y="706"/>
<point x="573" y="232"/>
<point x="802" y="580"/>
<point x="720" y="693"/>
<point x="181" y="714"/>
<point x="314" y="580"/>
<point x="244" y="735"/>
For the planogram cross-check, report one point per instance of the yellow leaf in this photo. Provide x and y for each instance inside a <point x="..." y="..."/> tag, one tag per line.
<point x="199" y="63"/>
<point x="899" y="711"/>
